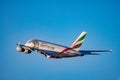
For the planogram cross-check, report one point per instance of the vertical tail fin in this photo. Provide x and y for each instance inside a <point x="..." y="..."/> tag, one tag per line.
<point x="78" y="42"/>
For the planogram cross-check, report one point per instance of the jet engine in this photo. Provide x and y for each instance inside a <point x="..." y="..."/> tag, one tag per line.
<point x="27" y="51"/>
<point x="22" y="48"/>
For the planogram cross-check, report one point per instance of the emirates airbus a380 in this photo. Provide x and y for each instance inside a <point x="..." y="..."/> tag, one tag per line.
<point x="51" y="50"/>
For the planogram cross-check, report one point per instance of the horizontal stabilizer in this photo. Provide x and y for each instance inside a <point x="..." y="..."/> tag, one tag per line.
<point x="93" y="52"/>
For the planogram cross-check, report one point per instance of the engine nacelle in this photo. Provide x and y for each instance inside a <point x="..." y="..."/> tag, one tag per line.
<point x="27" y="51"/>
<point x="23" y="49"/>
<point x="81" y="54"/>
<point x="20" y="49"/>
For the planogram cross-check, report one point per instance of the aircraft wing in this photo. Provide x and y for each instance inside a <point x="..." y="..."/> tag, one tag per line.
<point x="56" y="54"/>
<point x="47" y="52"/>
<point x="93" y="52"/>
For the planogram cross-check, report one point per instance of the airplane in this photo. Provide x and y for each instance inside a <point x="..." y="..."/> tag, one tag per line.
<point x="52" y="50"/>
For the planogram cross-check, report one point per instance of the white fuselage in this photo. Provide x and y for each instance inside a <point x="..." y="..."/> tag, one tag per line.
<point x="57" y="49"/>
<point x="45" y="45"/>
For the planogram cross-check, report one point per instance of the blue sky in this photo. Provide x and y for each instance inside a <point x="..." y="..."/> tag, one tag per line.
<point x="60" y="22"/>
